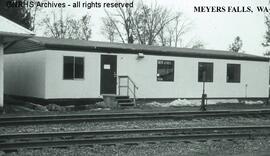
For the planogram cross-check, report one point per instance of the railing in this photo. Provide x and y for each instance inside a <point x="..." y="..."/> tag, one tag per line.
<point x="129" y="89"/>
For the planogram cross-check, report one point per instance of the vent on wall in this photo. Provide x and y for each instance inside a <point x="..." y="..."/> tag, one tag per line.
<point x="140" y="56"/>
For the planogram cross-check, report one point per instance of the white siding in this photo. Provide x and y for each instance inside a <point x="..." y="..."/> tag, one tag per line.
<point x="143" y="73"/>
<point x="186" y="84"/>
<point x="57" y="87"/>
<point x="1" y="74"/>
<point x="25" y="74"/>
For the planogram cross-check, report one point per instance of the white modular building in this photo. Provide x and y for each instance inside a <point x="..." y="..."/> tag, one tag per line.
<point x="48" y="69"/>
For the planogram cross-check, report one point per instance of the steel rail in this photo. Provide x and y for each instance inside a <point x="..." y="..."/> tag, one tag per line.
<point x="177" y="134"/>
<point x="130" y="131"/>
<point x="132" y="114"/>
<point x="43" y="119"/>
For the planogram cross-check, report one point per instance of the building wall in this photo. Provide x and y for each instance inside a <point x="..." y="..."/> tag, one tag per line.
<point x="143" y="73"/>
<point x="25" y="74"/>
<point x="57" y="87"/>
<point x="186" y="84"/>
<point x="1" y="74"/>
<point x="49" y="84"/>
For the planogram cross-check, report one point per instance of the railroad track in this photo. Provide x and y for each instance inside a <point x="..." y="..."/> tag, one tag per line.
<point x="130" y="136"/>
<point x="49" y="119"/>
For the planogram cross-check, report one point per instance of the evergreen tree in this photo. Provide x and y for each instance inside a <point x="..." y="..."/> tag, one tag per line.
<point x="19" y="15"/>
<point x="266" y="43"/>
<point x="236" y="45"/>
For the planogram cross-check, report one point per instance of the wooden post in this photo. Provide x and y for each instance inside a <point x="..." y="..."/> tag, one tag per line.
<point x="1" y="74"/>
<point x="118" y="85"/>
<point x="134" y="100"/>
<point x="203" y="108"/>
<point x="127" y="86"/>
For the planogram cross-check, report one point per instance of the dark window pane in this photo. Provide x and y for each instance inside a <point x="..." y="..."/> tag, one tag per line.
<point x="233" y="72"/>
<point x="68" y="67"/>
<point x="165" y="70"/>
<point x="79" y="67"/>
<point x="205" y="72"/>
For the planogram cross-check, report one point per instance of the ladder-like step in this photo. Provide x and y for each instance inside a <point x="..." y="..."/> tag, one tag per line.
<point x="124" y="101"/>
<point x="129" y="104"/>
<point x="118" y="97"/>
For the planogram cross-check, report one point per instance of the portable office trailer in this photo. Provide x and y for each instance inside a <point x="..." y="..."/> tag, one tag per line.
<point x="61" y="69"/>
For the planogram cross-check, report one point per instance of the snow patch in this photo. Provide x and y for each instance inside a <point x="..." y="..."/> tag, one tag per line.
<point x="185" y="102"/>
<point x="219" y="101"/>
<point x="156" y="104"/>
<point x="253" y="102"/>
<point x="175" y="103"/>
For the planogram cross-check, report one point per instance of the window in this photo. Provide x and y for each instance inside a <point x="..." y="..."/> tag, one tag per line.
<point x="73" y="67"/>
<point x="205" y="72"/>
<point x="233" y="72"/>
<point x="165" y="70"/>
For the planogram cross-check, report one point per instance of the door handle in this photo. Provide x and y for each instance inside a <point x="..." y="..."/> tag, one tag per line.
<point x="114" y="74"/>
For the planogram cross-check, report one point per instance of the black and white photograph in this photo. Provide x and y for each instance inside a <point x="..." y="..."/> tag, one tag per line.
<point x="134" y="78"/>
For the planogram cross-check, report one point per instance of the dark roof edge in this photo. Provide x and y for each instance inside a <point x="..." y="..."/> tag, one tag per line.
<point x="12" y="34"/>
<point x="45" y="46"/>
<point x="151" y="52"/>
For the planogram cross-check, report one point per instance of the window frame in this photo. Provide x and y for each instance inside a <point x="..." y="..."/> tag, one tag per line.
<point x="212" y="78"/>
<point x="239" y="81"/>
<point x="74" y="68"/>
<point x="173" y="63"/>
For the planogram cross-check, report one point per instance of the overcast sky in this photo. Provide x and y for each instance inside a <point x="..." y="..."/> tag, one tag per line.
<point x="215" y="30"/>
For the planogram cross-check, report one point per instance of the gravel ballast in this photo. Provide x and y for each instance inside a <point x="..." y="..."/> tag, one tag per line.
<point x="135" y="124"/>
<point x="224" y="147"/>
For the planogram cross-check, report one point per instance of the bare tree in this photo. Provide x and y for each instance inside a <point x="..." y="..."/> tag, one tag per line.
<point x="150" y="22"/>
<point x="182" y="26"/>
<point x="66" y="27"/>
<point x="141" y="24"/>
<point x="174" y="32"/>
<point x="109" y="30"/>
<point x="86" y="30"/>
<point x="121" y="19"/>
<point x="56" y="26"/>
<point x="162" y="37"/>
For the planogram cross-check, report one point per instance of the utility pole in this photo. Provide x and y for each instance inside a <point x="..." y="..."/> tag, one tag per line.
<point x="1" y="74"/>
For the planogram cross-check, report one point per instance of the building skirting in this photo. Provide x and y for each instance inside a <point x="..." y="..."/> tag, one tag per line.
<point x="87" y="101"/>
<point x="64" y="101"/>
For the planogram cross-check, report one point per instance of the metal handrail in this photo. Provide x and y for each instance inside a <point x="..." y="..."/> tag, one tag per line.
<point x="135" y="87"/>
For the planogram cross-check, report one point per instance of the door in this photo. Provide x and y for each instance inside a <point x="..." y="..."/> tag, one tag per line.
<point x="108" y="73"/>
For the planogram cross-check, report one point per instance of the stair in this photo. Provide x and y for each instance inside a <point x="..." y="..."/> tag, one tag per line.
<point x="124" y="101"/>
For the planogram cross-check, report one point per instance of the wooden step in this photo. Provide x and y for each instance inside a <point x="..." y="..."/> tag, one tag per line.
<point x="124" y="100"/>
<point x="126" y="104"/>
<point x="121" y="97"/>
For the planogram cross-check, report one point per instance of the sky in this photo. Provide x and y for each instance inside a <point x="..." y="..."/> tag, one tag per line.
<point x="215" y="30"/>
